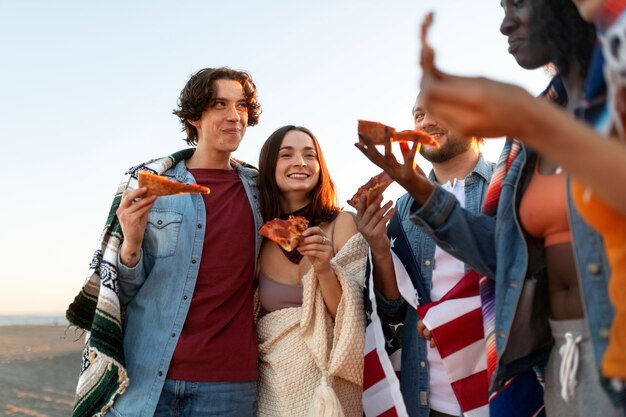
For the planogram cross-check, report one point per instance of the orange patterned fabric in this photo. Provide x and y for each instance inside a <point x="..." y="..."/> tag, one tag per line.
<point x="612" y="226"/>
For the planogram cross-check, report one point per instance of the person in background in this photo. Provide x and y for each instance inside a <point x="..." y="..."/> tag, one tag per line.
<point x="459" y="167"/>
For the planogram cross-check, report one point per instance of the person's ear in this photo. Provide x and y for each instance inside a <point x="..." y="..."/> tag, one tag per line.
<point x="195" y="123"/>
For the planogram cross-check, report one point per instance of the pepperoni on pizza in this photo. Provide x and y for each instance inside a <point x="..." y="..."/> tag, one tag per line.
<point x="286" y="233"/>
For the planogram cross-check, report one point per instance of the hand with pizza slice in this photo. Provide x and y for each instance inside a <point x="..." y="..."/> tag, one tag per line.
<point x="285" y="233"/>
<point x="372" y="189"/>
<point x="160" y="186"/>
<point x="408" y="174"/>
<point x="132" y="212"/>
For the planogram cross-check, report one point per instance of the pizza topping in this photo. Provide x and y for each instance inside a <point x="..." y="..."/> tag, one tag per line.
<point x="372" y="189"/>
<point x="158" y="185"/>
<point x="286" y="233"/>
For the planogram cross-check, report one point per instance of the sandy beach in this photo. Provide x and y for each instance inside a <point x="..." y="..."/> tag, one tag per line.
<point x="39" y="368"/>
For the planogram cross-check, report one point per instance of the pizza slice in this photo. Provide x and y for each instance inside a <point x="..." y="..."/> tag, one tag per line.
<point x="286" y="233"/>
<point x="158" y="185"/>
<point x="377" y="133"/>
<point x="373" y="188"/>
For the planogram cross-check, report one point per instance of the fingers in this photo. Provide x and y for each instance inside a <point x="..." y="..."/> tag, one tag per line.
<point x="372" y="154"/>
<point x="315" y="238"/>
<point x="404" y="148"/>
<point x="375" y="212"/>
<point x="129" y="196"/>
<point x="409" y="158"/>
<point x="423" y="331"/>
<point x="427" y="55"/>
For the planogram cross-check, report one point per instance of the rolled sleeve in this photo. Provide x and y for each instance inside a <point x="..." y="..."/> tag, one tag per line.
<point x="435" y="211"/>
<point x="467" y="236"/>
<point x="390" y="311"/>
<point x="130" y="278"/>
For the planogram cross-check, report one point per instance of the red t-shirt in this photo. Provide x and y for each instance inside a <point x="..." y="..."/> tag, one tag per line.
<point x="218" y="342"/>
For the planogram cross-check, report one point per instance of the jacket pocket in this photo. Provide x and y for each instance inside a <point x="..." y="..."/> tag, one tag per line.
<point x="162" y="232"/>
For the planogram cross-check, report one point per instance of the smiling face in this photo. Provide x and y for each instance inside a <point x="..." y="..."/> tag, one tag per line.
<point x="223" y="124"/>
<point x="451" y="146"/>
<point x="520" y="26"/>
<point x="297" y="167"/>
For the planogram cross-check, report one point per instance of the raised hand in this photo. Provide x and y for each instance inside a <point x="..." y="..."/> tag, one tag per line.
<point x="471" y="106"/>
<point x="372" y="223"/>
<point x="132" y="214"/>
<point x="408" y="175"/>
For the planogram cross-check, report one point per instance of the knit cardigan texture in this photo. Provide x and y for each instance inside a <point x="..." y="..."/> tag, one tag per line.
<point x="302" y="349"/>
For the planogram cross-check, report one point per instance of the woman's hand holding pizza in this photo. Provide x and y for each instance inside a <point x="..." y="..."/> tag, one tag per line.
<point x="132" y="214"/>
<point x="318" y="248"/>
<point x="371" y="221"/>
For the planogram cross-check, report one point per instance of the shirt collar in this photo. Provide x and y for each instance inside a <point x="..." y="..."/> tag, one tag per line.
<point x="482" y="168"/>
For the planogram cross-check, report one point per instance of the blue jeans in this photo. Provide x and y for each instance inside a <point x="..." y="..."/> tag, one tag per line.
<point x="207" y="399"/>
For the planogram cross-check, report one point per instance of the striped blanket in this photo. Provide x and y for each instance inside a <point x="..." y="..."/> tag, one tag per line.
<point x="97" y="310"/>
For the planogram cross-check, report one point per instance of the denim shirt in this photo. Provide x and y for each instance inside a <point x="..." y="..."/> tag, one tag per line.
<point x="157" y="292"/>
<point x="414" y="372"/>
<point x="500" y="249"/>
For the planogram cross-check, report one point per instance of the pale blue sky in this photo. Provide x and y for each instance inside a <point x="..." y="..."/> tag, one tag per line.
<point x="87" y="90"/>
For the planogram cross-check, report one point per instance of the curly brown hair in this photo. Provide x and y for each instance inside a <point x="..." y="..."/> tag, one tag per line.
<point x="199" y="94"/>
<point x="323" y="196"/>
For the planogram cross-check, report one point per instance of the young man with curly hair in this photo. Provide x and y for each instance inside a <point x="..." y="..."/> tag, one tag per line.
<point x="184" y="266"/>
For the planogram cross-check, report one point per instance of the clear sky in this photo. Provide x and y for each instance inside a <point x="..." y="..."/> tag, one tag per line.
<point x="87" y="90"/>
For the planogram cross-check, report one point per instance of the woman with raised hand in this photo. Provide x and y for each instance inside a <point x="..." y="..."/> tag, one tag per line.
<point x="311" y="319"/>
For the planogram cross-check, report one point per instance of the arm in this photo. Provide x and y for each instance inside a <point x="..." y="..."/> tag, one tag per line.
<point x="132" y="215"/>
<point x="371" y="222"/>
<point x="467" y="236"/>
<point x="482" y="107"/>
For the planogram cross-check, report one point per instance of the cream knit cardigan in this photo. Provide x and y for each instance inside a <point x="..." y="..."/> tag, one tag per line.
<point x="301" y="348"/>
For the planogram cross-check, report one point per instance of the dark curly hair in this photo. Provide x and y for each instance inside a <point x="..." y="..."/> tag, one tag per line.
<point x="199" y="93"/>
<point x="570" y="38"/>
<point x="323" y="196"/>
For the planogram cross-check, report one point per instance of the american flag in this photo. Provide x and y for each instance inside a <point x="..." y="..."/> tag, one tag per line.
<point x="456" y="325"/>
<point x="381" y="386"/>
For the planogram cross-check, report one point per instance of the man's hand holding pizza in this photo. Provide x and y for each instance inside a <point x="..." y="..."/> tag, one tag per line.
<point x="132" y="214"/>
<point x="408" y="174"/>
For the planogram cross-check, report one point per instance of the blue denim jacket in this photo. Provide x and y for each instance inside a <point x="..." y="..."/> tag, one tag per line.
<point x="500" y="249"/>
<point x="414" y="372"/>
<point x="158" y="291"/>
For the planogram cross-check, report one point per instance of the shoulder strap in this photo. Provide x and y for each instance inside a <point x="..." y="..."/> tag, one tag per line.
<point x="403" y="251"/>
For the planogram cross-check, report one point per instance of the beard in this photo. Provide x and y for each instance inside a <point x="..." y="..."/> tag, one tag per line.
<point x="452" y="147"/>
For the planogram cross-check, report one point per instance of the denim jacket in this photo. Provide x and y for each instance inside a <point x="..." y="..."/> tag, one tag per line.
<point x="157" y="292"/>
<point x="501" y="249"/>
<point x="414" y="372"/>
